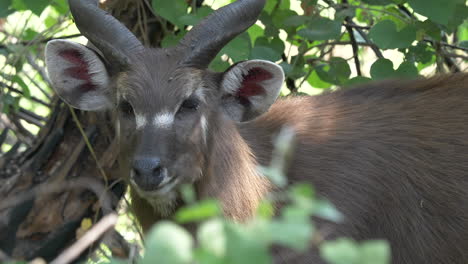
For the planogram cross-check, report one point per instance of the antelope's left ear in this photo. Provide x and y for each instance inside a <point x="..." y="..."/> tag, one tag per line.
<point x="249" y="88"/>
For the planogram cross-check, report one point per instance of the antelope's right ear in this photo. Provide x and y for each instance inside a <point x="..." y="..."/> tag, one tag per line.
<point x="78" y="75"/>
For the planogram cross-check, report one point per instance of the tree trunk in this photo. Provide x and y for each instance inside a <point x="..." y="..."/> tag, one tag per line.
<point x="47" y="190"/>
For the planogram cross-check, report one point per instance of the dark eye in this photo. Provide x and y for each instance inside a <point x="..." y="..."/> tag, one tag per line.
<point x="126" y="108"/>
<point x="190" y="104"/>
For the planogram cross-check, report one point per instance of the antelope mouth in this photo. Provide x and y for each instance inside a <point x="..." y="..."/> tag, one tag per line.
<point x="167" y="185"/>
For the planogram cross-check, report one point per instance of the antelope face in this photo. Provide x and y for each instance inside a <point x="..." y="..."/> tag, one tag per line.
<point x="167" y="104"/>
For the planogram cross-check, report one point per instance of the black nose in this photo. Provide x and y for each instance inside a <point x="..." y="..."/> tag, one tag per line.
<point x="148" y="172"/>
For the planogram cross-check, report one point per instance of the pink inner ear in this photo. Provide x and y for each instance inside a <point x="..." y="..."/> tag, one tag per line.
<point x="81" y="69"/>
<point x="250" y="84"/>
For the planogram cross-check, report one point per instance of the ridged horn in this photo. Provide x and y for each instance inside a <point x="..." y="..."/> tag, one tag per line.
<point x="105" y="32"/>
<point x="207" y="38"/>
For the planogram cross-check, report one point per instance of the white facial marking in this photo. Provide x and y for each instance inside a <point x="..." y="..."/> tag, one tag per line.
<point x="163" y="120"/>
<point x="140" y="121"/>
<point x="204" y="127"/>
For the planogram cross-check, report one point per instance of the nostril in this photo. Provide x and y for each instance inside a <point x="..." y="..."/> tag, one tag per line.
<point x="148" y="171"/>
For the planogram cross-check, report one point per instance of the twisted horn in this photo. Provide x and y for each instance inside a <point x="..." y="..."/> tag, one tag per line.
<point x="206" y="39"/>
<point x="105" y="32"/>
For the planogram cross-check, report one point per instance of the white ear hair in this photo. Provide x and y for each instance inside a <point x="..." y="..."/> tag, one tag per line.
<point x="266" y="87"/>
<point x="78" y="75"/>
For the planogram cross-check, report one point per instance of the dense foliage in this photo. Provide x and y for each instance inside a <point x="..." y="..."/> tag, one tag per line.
<point x="321" y="44"/>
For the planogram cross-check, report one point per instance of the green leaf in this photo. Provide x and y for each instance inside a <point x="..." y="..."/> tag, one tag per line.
<point x="295" y="21"/>
<point x="325" y="210"/>
<point x="386" y="36"/>
<point x="340" y="251"/>
<point x="171" y="40"/>
<point x="279" y="20"/>
<point x="321" y="28"/>
<point x="218" y="64"/>
<point x="29" y="34"/>
<point x="377" y="2"/>
<point x="171" y="10"/>
<point x="18" y="5"/>
<point x="459" y="16"/>
<point x="168" y="243"/>
<point x="422" y="52"/>
<point x="336" y="72"/>
<point x="463" y="44"/>
<point x="293" y="234"/>
<point x="382" y="69"/>
<point x="61" y="6"/>
<point x="438" y="11"/>
<point x="264" y="53"/>
<point x="199" y="211"/>
<point x="26" y="92"/>
<point x="5" y="9"/>
<point x="407" y="70"/>
<point x="357" y="80"/>
<point x="316" y="82"/>
<point x="430" y="29"/>
<point x="255" y="32"/>
<point x="243" y="246"/>
<point x="302" y="190"/>
<point x="291" y="71"/>
<point x="36" y="6"/>
<point x="239" y="48"/>
<point x="193" y="19"/>
<point x="212" y="238"/>
<point x="375" y="252"/>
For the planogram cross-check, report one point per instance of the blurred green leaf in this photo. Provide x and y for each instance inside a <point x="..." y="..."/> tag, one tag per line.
<point x="202" y="210"/>
<point x="464" y="44"/>
<point x="386" y="36"/>
<point x="291" y="233"/>
<point x="340" y="251"/>
<point x="377" y="2"/>
<point x="18" y="5"/>
<point x="212" y="238"/>
<point x="29" y="34"/>
<point x="321" y="28"/>
<point x="25" y="89"/>
<point x="375" y="252"/>
<point x="326" y="210"/>
<point x="61" y="6"/>
<point x="5" y="9"/>
<point x="169" y="244"/>
<point x="36" y="6"/>
<point x="243" y="246"/>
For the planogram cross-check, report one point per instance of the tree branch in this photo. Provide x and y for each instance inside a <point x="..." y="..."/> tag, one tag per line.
<point x="27" y="43"/>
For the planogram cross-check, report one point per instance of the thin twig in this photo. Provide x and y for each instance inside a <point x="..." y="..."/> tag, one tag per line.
<point x="71" y="253"/>
<point x="35" y="99"/>
<point x="353" y="42"/>
<point x="33" y="42"/>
